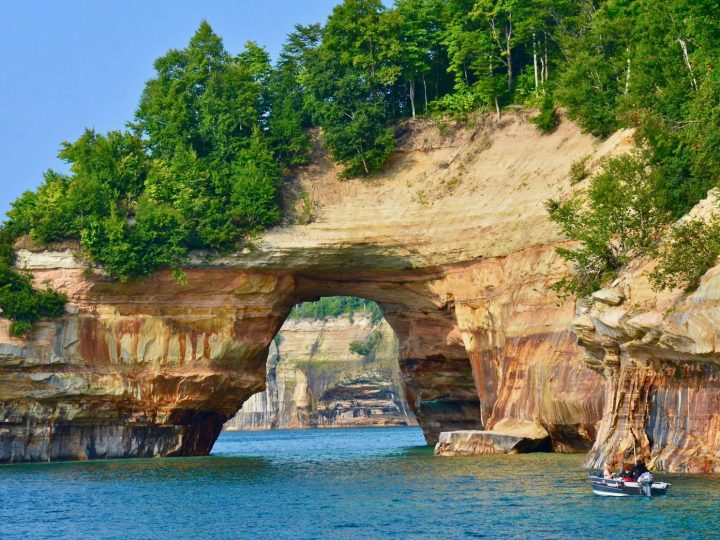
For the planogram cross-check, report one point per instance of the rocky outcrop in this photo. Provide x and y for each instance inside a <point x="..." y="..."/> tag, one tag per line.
<point x="660" y="355"/>
<point x="511" y="438"/>
<point x="314" y="380"/>
<point x="454" y="244"/>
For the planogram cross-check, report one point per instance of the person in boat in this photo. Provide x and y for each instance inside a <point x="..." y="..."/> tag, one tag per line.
<point x="626" y="474"/>
<point x="638" y="470"/>
<point x="607" y="473"/>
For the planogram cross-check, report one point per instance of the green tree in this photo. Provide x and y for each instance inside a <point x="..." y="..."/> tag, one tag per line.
<point x="487" y="43"/>
<point x="351" y="73"/>
<point x="506" y="23"/>
<point x="291" y="114"/>
<point x="53" y="218"/>
<point x="208" y="112"/>
<point x="616" y="219"/>
<point x="419" y="44"/>
<point x="596" y="46"/>
<point x="205" y="98"/>
<point x="20" y="217"/>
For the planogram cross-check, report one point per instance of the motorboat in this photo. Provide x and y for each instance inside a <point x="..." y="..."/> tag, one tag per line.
<point x="617" y="487"/>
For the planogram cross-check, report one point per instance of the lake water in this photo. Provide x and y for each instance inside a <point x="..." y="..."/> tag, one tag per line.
<point x="340" y="483"/>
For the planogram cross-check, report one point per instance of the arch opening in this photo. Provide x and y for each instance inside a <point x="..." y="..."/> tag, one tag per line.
<point x="432" y="374"/>
<point x="333" y="363"/>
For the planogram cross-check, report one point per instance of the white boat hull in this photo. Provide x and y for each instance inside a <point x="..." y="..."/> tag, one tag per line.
<point x="612" y="487"/>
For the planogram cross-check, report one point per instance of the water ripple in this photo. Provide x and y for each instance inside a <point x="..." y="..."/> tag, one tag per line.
<point x="358" y="483"/>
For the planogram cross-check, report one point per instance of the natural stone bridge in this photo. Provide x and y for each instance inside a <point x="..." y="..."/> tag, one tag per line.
<point x="454" y="245"/>
<point x="155" y="368"/>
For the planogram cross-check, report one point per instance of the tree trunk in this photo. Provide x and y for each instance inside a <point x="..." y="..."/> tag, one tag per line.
<point x="510" y="71"/>
<point x="508" y="51"/>
<point x="627" y="76"/>
<point x="425" y="88"/>
<point x="362" y="158"/>
<point x="686" y="58"/>
<point x="497" y="108"/>
<point x="437" y="81"/>
<point x="546" y="75"/>
<point x="412" y="97"/>
<point x="535" y="64"/>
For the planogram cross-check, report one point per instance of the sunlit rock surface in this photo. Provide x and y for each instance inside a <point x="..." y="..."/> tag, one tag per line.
<point x="660" y="355"/>
<point x="453" y="242"/>
<point x="314" y="380"/>
<point x="513" y="437"/>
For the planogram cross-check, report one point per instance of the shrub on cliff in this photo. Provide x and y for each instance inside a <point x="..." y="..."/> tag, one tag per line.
<point x="24" y="305"/>
<point x="547" y="119"/>
<point x="366" y="346"/>
<point x="19" y="301"/>
<point x="692" y="249"/>
<point x="618" y="217"/>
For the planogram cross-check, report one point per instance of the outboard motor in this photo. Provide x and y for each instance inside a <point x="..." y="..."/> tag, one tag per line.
<point x="645" y="481"/>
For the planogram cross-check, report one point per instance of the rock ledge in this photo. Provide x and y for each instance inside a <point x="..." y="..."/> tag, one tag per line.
<point x="475" y="443"/>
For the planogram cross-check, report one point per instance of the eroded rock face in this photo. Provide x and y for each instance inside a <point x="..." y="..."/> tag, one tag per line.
<point x="314" y="380"/>
<point x="525" y="360"/>
<point x="453" y="243"/>
<point x="660" y="357"/>
<point x="141" y="374"/>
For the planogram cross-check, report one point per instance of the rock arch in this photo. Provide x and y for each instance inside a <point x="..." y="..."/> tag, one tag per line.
<point x="453" y="243"/>
<point x="155" y="368"/>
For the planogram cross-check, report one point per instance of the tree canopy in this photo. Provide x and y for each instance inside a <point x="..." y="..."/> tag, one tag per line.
<point x="336" y="306"/>
<point x="201" y="165"/>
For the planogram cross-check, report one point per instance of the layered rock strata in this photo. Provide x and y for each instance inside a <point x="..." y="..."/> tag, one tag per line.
<point x="660" y="355"/>
<point x="454" y="244"/>
<point x="519" y="439"/>
<point x="314" y="380"/>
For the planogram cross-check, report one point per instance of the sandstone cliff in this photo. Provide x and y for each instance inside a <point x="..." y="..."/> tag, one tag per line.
<point x="660" y="355"/>
<point x="452" y="241"/>
<point x="314" y="380"/>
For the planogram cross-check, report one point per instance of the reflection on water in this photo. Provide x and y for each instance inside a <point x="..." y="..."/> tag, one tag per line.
<point x="355" y="483"/>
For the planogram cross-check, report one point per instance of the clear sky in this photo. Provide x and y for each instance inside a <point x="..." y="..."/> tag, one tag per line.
<point x="70" y="64"/>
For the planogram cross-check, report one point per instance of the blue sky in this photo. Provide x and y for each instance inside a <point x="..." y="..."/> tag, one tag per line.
<point x="71" y="64"/>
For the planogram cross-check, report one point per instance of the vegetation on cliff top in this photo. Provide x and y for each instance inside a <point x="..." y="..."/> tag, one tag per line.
<point x="201" y="165"/>
<point x="341" y="306"/>
<point x="336" y="306"/>
<point x="648" y="65"/>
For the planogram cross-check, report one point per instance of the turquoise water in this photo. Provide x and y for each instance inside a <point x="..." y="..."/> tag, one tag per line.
<point x="350" y="483"/>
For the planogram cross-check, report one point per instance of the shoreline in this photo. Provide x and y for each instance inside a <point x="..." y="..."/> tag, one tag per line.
<point x="343" y="426"/>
